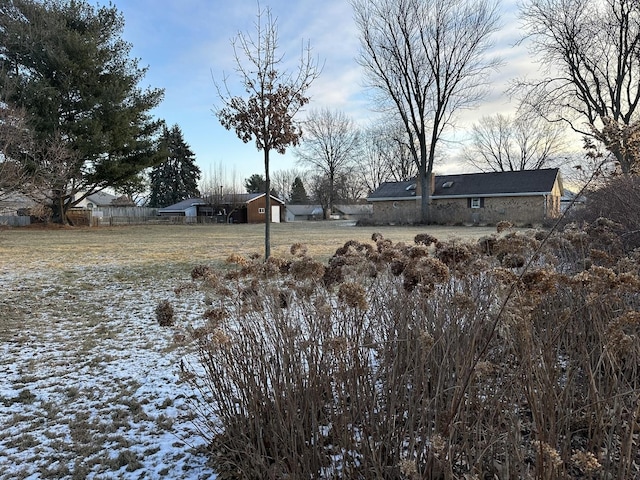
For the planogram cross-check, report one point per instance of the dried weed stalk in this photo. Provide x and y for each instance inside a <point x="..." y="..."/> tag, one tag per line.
<point x="512" y="357"/>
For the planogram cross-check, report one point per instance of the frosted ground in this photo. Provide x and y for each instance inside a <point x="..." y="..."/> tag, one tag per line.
<point x="90" y="384"/>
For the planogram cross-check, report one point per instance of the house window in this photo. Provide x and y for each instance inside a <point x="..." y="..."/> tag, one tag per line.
<point x="475" y="202"/>
<point x="261" y="211"/>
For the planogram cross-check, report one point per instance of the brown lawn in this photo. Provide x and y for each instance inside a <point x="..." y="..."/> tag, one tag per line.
<point x="61" y="248"/>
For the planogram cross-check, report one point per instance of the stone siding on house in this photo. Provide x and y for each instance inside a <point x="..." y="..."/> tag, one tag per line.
<point x="397" y="212"/>
<point x="517" y="210"/>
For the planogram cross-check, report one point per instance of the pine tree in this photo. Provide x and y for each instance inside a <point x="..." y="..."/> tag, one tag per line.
<point x="66" y="66"/>
<point x="176" y="178"/>
<point x="298" y="192"/>
<point x="255" y="183"/>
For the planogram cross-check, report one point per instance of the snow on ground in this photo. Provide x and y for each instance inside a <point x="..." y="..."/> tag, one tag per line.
<point x="90" y="385"/>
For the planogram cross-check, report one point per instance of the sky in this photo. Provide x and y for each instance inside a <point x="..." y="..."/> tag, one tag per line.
<point x="186" y="44"/>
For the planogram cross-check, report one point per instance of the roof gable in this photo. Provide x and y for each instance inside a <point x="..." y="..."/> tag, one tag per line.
<point x="250" y="197"/>
<point x="101" y="198"/>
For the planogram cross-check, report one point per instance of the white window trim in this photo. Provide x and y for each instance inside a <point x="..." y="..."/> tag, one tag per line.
<point x="261" y="211"/>
<point x="476" y="202"/>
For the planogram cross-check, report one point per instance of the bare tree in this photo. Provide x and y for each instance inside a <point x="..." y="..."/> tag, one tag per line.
<point x="385" y="156"/>
<point x="217" y="181"/>
<point x="223" y="189"/>
<point x="401" y="163"/>
<point x="282" y="181"/>
<point x="589" y="51"/>
<point x="330" y="147"/>
<point x="274" y="97"/>
<point x="427" y="59"/>
<point x="502" y="143"/>
<point x="14" y="142"/>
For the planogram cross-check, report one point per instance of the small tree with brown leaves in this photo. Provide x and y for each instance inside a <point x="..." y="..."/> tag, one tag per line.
<point x="274" y="97"/>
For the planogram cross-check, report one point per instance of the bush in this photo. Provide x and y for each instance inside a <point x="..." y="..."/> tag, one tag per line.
<point x="411" y="362"/>
<point x="165" y="313"/>
<point x="617" y="200"/>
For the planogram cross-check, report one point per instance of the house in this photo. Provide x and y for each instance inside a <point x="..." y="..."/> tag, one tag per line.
<point x="230" y="208"/>
<point x="296" y="213"/>
<point x="571" y="199"/>
<point x="522" y="197"/>
<point x="15" y="203"/>
<point x="186" y="208"/>
<point x="97" y="200"/>
<point x="15" y="209"/>
<point x="354" y="212"/>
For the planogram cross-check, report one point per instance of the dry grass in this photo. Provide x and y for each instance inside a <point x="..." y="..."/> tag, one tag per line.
<point x="90" y="385"/>
<point x="182" y="244"/>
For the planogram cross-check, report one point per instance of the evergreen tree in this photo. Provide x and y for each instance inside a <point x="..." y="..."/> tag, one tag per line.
<point x="176" y="178"/>
<point x="298" y="192"/>
<point x="66" y="65"/>
<point x="255" y="183"/>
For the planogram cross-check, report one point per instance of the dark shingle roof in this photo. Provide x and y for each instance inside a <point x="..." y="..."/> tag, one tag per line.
<point x="397" y="190"/>
<point x="523" y="182"/>
<point x="183" y="205"/>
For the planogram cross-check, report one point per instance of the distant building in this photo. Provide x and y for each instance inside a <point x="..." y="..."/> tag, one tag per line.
<point x="522" y="197"/>
<point x="229" y="208"/>
<point x="297" y="213"/>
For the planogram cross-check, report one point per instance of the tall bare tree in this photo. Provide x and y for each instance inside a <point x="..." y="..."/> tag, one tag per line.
<point x="385" y="155"/>
<point x="589" y="51"/>
<point x="223" y="189"/>
<point x="330" y="147"/>
<point x="502" y="143"/>
<point x="218" y="181"/>
<point x="274" y="97"/>
<point x="427" y="59"/>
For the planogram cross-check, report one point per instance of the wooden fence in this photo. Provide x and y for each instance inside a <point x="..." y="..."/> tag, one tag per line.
<point x="15" y="220"/>
<point x="110" y="216"/>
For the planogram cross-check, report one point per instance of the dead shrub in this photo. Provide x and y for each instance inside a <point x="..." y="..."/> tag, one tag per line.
<point x="504" y="360"/>
<point x="503" y="225"/>
<point x="618" y="200"/>
<point x="165" y="313"/>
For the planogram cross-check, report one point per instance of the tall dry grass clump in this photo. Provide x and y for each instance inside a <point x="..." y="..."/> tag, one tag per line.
<point x="512" y="357"/>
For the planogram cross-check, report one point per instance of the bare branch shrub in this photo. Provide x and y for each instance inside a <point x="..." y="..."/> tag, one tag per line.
<point x="618" y="200"/>
<point x="433" y="360"/>
<point x="165" y="313"/>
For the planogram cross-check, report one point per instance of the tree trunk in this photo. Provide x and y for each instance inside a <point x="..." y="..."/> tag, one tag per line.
<point x="331" y="187"/>
<point x="59" y="210"/>
<point x="426" y="168"/>
<point x="267" y="208"/>
<point x="425" y="200"/>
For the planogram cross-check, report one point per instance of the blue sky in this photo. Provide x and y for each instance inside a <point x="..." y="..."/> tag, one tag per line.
<point x="185" y="43"/>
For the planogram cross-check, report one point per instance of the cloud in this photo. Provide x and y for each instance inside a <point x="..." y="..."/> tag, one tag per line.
<point x="185" y="43"/>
